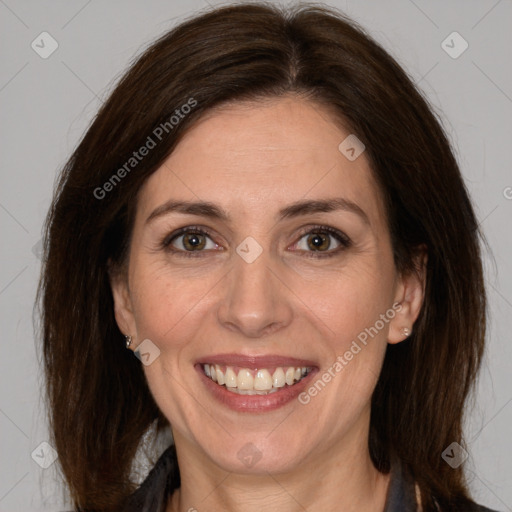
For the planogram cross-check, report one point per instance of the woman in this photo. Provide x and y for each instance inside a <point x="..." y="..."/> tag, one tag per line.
<point x="267" y="213"/>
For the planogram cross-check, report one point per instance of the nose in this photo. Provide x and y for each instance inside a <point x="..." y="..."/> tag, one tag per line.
<point x="256" y="301"/>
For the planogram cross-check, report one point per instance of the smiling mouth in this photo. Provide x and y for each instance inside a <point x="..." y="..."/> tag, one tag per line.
<point x="262" y="381"/>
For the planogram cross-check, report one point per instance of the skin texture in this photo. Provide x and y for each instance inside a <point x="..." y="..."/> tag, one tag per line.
<point x="253" y="159"/>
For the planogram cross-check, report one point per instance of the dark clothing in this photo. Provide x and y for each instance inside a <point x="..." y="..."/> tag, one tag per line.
<point x="153" y="494"/>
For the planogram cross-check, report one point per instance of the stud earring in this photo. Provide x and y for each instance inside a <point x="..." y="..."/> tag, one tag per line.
<point x="128" y="341"/>
<point x="406" y="332"/>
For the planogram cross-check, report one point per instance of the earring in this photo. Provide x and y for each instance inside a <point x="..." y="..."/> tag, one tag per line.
<point x="406" y="332"/>
<point x="128" y="341"/>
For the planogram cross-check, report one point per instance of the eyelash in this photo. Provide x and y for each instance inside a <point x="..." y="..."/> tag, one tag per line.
<point x="343" y="239"/>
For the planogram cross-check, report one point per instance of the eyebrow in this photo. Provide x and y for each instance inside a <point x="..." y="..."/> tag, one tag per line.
<point x="304" y="207"/>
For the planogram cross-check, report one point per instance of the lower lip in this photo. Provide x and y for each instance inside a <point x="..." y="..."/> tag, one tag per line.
<point x="254" y="403"/>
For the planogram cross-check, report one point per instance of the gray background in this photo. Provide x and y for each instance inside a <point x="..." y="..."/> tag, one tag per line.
<point x="46" y="104"/>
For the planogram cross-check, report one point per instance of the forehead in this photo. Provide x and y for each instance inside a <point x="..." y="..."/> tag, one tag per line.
<point x="254" y="158"/>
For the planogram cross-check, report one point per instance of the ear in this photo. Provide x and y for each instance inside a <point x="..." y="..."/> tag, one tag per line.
<point x="409" y="295"/>
<point x="123" y="309"/>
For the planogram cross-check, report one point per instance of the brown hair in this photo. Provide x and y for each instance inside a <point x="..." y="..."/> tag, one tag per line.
<point x="99" y="401"/>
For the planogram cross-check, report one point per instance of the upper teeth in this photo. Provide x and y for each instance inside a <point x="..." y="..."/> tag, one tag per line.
<point x="262" y="380"/>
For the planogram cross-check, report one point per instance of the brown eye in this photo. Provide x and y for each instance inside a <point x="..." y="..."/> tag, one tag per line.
<point x="188" y="240"/>
<point x="194" y="241"/>
<point x="319" y="241"/>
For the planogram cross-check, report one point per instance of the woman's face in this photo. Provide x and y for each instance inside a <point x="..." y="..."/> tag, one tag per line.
<point x="269" y="284"/>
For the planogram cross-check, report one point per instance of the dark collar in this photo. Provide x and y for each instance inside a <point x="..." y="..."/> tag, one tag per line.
<point x="401" y="495"/>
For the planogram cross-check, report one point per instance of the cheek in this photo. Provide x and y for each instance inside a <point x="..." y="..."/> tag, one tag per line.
<point x="353" y="301"/>
<point x="168" y="306"/>
<point x="358" y="311"/>
<point x="170" y="311"/>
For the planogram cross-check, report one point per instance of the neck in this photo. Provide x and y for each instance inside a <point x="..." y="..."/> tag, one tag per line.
<point x="343" y="479"/>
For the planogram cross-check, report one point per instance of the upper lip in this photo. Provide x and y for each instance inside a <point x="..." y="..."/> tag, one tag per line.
<point x="255" y="362"/>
